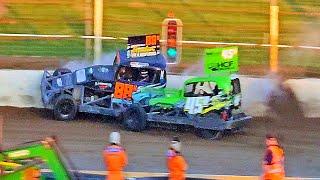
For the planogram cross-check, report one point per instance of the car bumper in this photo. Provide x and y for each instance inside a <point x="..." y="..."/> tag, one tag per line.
<point x="237" y="122"/>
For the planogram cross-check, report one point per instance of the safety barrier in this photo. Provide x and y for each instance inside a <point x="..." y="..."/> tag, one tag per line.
<point x="183" y="42"/>
<point x="21" y="88"/>
<point x="163" y="176"/>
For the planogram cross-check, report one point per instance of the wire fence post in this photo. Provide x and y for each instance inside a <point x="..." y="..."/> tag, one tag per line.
<point x="274" y="35"/>
<point x="98" y="19"/>
<point x="88" y="28"/>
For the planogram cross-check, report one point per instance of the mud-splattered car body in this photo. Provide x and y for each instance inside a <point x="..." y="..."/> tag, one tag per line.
<point x="100" y="89"/>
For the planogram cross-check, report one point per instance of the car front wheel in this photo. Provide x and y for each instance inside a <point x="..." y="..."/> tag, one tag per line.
<point x="65" y="108"/>
<point x="135" y="118"/>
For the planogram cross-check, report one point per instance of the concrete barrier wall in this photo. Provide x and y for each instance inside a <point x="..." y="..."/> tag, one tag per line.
<point x="163" y="176"/>
<point x="87" y="174"/>
<point x="21" y="88"/>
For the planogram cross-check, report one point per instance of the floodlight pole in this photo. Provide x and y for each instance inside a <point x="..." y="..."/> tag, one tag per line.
<point x="98" y="17"/>
<point x="274" y="35"/>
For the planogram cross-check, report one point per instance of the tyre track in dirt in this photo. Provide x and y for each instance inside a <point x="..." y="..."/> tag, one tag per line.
<point x="83" y="140"/>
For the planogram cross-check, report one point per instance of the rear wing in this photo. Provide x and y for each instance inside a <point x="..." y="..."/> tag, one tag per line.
<point x="157" y="61"/>
<point x="142" y="51"/>
<point x="222" y="60"/>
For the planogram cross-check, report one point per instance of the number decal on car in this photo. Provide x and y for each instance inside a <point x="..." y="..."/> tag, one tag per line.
<point x="195" y="105"/>
<point x="124" y="91"/>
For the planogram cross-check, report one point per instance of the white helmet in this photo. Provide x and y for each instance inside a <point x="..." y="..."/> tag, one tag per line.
<point x="114" y="138"/>
<point x="176" y="145"/>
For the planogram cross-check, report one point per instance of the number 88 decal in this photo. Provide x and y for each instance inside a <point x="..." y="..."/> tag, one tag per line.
<point x="152" y="40"/>
<point x="124" y="91"/>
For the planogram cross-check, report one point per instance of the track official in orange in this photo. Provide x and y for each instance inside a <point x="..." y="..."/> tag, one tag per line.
<point x="115" y="158"/>
<point x="177" y="166"/>
<point x="273" y="161"/>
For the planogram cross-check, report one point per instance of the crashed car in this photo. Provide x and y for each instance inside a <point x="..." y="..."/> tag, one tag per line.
<point x="101" y="89"/>
<point x="210" y="104"/>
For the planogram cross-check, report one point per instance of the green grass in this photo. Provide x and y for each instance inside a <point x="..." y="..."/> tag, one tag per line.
<point x="61" y="48"/>
<point x="218" y="20"/>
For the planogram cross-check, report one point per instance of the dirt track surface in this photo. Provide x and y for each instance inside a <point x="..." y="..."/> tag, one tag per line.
<point x="83" y="140"/>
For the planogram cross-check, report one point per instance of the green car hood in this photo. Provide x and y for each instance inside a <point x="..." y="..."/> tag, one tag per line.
<point x="169" y="97"/>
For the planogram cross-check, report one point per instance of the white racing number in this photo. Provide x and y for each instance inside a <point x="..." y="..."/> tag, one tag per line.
<point x="194" y="105"/>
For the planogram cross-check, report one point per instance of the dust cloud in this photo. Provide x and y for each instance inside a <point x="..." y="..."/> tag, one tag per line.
<point x="106" y="59"/>
<point x="196" y="70"/>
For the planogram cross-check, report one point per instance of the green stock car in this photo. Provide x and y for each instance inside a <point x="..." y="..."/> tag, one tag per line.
<point x="211" y="105"/>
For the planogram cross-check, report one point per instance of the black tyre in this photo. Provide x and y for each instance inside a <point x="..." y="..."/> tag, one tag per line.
<point x="135" y="118"/>
<point x="61" y="71"/>
<point x="209" y="134"/>
<point x="65" y="108"/>
<point x="120" y="117"/>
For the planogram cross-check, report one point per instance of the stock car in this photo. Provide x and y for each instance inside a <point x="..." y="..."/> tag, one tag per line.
<point x="211" y="105"/>
<point x="101" y="89"/>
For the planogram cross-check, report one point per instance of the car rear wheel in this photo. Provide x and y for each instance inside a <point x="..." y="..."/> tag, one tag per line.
<point x="135" y="118"/>
<point x="209" y="134"/>
<point x="65" y="108"/>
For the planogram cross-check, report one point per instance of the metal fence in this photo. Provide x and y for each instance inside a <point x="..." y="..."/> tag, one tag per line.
<point x="205" y="25"/>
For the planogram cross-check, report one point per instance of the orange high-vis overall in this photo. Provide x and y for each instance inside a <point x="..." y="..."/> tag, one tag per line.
<point x="177" y="166"/>
<point x="275" y="170"/>
<point x="115" y="159"/>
